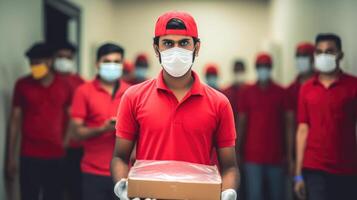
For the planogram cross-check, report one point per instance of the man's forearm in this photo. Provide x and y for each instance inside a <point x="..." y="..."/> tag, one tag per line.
<point x="83" y="133"/>
<point x="300" y="149"/>
<point x="119" y="169"/>
<point x="230" y="178"/>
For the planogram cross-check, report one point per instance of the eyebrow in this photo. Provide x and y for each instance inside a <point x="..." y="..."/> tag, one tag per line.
<point x="183" y="40"/>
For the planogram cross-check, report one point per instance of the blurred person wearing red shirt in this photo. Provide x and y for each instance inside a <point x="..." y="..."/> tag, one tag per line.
<point x="326" y="146"/>
<point x="65" y="66"/>
<point x="39" y="111"/>
<point x="263" y="126"/>
<point x="93" y="111"/>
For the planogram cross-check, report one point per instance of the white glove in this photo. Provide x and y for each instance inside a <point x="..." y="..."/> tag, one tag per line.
<point x="229" y="194"/>
<point x="121" y="190"/>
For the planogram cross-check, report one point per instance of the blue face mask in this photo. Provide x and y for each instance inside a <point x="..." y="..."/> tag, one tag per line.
<point x="110" y="71"/>
<point x="263" y="74"/>
<point x="140" y="72"/>
<point x="212" y="81"/>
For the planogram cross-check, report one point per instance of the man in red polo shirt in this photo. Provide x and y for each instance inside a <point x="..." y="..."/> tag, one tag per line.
<point x="211" y="75"/>
<point x="64" y="66"/>
<point x="326" y="136"/>
<point x="232" y="92"/>
<point x="262" y="112"/>
<point x="94" y="109"/>
<point x="304" y="59"/>
<point x="175" y="116"/>
<point x="40" y="107"/>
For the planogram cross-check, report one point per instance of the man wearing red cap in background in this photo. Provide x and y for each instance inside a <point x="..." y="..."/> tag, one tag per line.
<point x="211" y="75"/>
<point x="93" y="110"/>
<point x="64" y="66"/>
<point x="262" y="112"/>
<point x="40" y="106"/>
<point x="175" y="116"/>
<point x="304" y="58"/>
<point x="128" y="71"/>
<point x="326" y="148"/>
<point x="233" y="91"/>
<point x="141" y="68"/>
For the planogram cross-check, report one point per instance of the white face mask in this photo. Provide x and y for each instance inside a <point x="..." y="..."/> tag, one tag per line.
<point x="64" y="65"/>
<point x="110" y="71"/>
<point x="239" y="77"/>
<point x="303" y="64"/>
<point x="325" y="63"/>
<point x="263" y="74"/>
<point x="176" y="61"/>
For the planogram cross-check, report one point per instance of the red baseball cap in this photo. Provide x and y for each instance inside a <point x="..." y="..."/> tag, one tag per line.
<point x="128" y="66"/>
<point x="264" y="59"/>
<point x="187" y="19"/>
<point x="141" y="59"/>
<point x="211" y="69"/>
<point x="305" y="48"/>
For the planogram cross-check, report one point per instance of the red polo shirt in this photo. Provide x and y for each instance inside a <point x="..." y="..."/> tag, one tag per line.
<point x="166" y="129"/>
<point x="293" y="94"/>
<point x="94" y="105"/>
<point x="44" y="110"/>
<point x="331" y="116"/>
<point x="265" y="110"/>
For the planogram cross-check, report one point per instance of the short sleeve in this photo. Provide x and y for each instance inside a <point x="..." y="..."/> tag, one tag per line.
<point x="302" y="107"/>
<point x="79" y="107"/>
<point x="126" y="126"/>
<point x="225" y="135"/>
<point x="17" y="99"/>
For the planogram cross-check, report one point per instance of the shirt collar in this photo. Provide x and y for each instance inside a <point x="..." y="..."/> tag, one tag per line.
<point x="196" y="88"/>
<point x="97" y="85"/>
<point x="340" y="79"/>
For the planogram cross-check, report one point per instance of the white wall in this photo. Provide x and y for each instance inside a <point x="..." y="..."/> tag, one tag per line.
<point x="294" y="21"/>
<point x="98" y="26"/>
<point x="227" y="29"/>
<point x="21" y="25"/>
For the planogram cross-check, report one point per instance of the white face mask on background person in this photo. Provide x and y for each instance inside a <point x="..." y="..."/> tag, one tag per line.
<point x="263" y="74"/>
<point x="110" y="71"/>
<point x="239" y="77"/>
<point x="303" y="64"/>
<point x="176" y="61"/>
<point x="64" y="65"/>
<point x="325" y="63"/>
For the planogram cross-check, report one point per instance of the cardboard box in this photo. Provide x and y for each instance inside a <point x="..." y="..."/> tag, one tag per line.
<point x="174" y="180"/>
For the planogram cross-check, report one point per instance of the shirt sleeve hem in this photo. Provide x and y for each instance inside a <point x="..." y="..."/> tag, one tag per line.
<point x="125" y="135"/>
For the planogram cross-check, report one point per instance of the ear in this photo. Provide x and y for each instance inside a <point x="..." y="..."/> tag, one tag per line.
<point x="340" y="57"/>
<point x="156" y="49"/>
<point x="197" y="48"/>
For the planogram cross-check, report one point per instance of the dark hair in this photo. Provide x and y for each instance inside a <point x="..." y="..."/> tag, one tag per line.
<point x="175" y="24"/>
<point x="109" y="48"/>
<point x="39" y="50"/>
<point x="329" y="36"/>
<point x="238" y="65"/>
<point x="64" y="45"/>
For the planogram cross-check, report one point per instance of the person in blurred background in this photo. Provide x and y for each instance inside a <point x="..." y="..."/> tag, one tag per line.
<point x="175" y="116"/>
<point x="326" y="152"/>
<point x="93" y="112"/>
<point x="141" y="68"/>
<point x="263" y="112"/>
<point x="232" y="92"/>
<point x="64" y="65"/>
<point x="40" y="107"/>
<point x="211" y="75"/>
<point x="304" y="59"/>
<point x="128" y="71"/>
